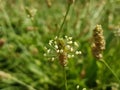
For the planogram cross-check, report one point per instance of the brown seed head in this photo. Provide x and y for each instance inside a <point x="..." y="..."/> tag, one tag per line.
<point x="63" y="59"/>
<point x="98" y="44"/>
<point x="62" y="55"/>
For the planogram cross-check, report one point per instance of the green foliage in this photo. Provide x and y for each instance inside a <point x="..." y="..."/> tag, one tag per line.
<point x="26" y="26"/>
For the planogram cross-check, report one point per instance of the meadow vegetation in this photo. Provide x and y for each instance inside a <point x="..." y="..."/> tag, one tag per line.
<point x="48" y="45"/>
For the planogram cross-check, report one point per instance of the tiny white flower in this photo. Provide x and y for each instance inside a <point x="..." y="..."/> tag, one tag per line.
<point x="50" y="42"/>
<point x="69" y="56"/>
<point x="68" y="46"/>
<point x="56" y="37"/>
<point x="71" y="49"/>
<point x="66" y="37"/>
<point x="78" y="52"/>
<point x="70" y="38"/>
<point x="76" y="44"/>
<point x="84" y="89"/>
<point x="70" y="42"/>
<point x="58" y="51"/>
<point x="77" y="86"/>
<point x="53" y="59"/>
<point x="48" y="51"/>
<point x="72" y="55"/>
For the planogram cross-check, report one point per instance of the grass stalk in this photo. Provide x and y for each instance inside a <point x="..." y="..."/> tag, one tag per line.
<point x="22" y="83"/>
<point x="65" y="79"/>
<point x="61" y="26"/>
<point x="105" y="63"/>
<point x="6" y="16"/>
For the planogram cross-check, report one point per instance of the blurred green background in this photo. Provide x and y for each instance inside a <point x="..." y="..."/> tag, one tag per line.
<point x="26" y="26"/>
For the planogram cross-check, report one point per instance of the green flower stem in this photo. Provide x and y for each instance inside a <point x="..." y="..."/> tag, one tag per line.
<point x="65" y="78"/>
<point x="60" y="30"/>
<point x="104" y="62"/>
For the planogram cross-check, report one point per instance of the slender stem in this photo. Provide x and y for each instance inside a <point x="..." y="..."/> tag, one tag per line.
<point x="22" y="83"/>
<point x="110" y="70"/>
<point x="6" y="16"/>
<point x="65" y="78"/>
<point x="60" y="30"/>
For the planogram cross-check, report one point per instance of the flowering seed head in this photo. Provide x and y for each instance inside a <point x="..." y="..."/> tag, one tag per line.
<point x="62" y="49"/>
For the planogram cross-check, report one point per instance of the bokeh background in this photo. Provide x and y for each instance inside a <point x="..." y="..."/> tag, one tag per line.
<point x="26" y="26"/>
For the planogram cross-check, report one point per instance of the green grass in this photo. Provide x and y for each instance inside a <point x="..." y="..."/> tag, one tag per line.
<point x="23" y="38"/>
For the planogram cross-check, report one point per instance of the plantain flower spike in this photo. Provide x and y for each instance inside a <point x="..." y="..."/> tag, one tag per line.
<point x="62" y="49"/>
<point x="98" y="44"/>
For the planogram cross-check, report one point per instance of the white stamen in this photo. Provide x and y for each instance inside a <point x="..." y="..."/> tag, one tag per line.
<point x="76" y="44"/>
<point x="70" y="42"/>
<point x="78" y="52"/>
<point x="66" y="36"/>
<point x="58" y="51"/>
<point x="70" y="38"/>
<point x="48" y="51"/>
<point x="50" y="42"/>
<point x="69" y="56"/>
<point x="61" y="51"/>
<point x="72" y="55"/>
<point x="53" y="59"/>
<point x="56" y="37"/>
<point x="77" y="86"/>
<point x="71" y="49"/>
<point x="68" y="46"/>
<point x="56" y="46"/>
